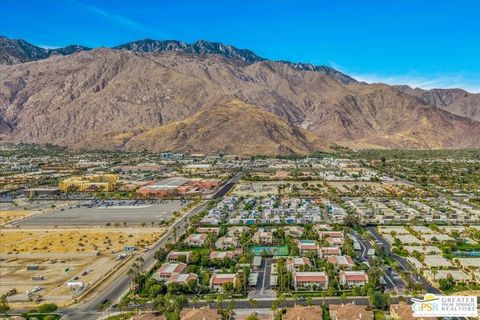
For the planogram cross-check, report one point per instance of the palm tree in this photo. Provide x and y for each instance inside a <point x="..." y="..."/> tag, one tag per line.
<point x="209" y="300"/>
<point x="434" y="272"/>
<point x="131" y="274"/>
<point x="220" y="299"/>
<point x="157" y="255"/>
<point x="309" y="301"/>
<point x="195" y="300"/>
<point x="140" y="261"/>
<point x="4" y="307"/>
<point x="229" y="309"/>
<point x="175" y="233"/>
<point x="281" y="300"/>
<point x="253" y="304"/>
<point x="274" y="306"/>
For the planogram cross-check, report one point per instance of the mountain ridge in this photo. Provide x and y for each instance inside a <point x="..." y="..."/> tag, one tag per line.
<point x="19" y="51"/>
<point x="74" y="99"/>
<point x="456" y="101"/>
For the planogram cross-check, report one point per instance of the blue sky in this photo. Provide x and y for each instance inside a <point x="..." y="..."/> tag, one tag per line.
<point x="423" y="43"/>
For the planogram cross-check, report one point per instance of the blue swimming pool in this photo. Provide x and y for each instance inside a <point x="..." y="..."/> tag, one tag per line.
<point x="467" y="253"/>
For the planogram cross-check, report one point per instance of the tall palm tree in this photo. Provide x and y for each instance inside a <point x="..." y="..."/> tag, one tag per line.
<point x="209" y="299"/>
<point x="274" y="306"/>
<point x="253" y="304"/>
<point x="195" y="300"/>
<point x="140" y="261"/>
<point x="157" y="255"/>
<point x="434" y="272"/>
<point x="281" y="300"/>
<point x="229" y="309"/>
<point x="220" y="299"/>
<point x="309" y="301"/>
<point x="131" y="274"/>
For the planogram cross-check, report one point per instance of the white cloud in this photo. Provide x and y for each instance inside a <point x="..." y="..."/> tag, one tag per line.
<point x="46" y="46"/>
<point x="120" y="20"/>
<point x="470" y="83"/>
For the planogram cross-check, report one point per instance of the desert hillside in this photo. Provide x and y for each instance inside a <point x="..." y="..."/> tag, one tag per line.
<point x="179" y="100"/>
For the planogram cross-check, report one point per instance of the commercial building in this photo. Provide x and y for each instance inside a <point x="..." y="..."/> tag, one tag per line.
<point x="177" y="186"/>
<point x="165" y="188"/>
<point x="97" y="182"/>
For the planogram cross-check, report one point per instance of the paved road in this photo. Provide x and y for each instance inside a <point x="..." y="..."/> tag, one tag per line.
<point x="393" y="281"/>
<point x="416" y="277"/>
<point x="263" y="289"/>
<point x="261" y="275"/>
<point x="121" y="285"/>
<point x="238" y="304"/>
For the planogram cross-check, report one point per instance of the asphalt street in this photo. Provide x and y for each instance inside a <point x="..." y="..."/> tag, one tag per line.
<point x="393" y="281"/>
<point x="416" y="277"/>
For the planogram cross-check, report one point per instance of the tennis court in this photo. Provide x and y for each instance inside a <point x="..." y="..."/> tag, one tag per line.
<point x="281" y="250"/>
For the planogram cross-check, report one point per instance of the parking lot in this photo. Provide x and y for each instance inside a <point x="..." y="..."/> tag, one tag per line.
<point x="102" y="213"/>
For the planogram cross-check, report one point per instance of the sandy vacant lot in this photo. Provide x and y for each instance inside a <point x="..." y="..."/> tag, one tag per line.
<point x="56" y="269"/>
<point x="7" y="216"/>
<point x="76" y="240"/>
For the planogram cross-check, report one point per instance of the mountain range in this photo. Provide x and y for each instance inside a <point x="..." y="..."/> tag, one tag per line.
<point x="214" y="98"/>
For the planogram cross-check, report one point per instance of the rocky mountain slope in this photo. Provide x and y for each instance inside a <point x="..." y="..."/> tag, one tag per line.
<point x="200" y="47"/>
<point x="159" y="100"/>
<point x="229" y="126"/>
<point x="456" y="101"/>
<point x="19" y="51"/>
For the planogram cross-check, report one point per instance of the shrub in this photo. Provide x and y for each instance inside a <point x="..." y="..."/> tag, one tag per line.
<point x="47" y="308"/>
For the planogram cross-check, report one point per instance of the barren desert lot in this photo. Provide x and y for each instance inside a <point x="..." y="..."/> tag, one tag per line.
<point x="76" y="240"/>
<point x="56" y="270"/>
<point x="7" y="216"/>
